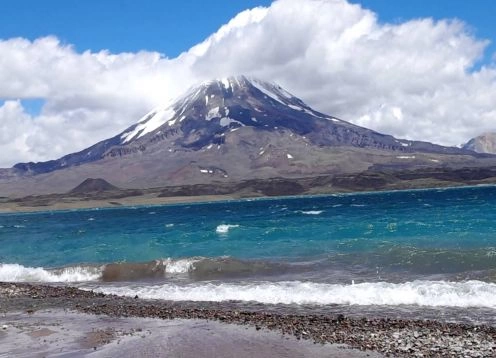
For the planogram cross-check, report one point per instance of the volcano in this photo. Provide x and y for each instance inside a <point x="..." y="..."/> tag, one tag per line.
<point x="228" y="130"/>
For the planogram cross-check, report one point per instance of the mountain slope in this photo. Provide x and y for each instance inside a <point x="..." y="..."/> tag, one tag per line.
<point x="230" y="130"/>
<point x="206" y="113"/>
<point x="485" y="143"/>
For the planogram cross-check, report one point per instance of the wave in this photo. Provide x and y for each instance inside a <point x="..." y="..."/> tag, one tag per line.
<point x="224" y="228"/>
<point x="19" y="273"/>
<point x="312" y="212"/>
<point x="196" y="268"/>
<point x="420" y="293"/>
<point x="430" y="261"/>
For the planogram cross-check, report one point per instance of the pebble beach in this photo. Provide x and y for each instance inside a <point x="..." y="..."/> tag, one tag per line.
<point x="329" y="335"/>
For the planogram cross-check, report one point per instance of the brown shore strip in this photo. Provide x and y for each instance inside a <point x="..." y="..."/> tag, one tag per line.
<point x="107" y="196"/>
<point x="391" y="337"/>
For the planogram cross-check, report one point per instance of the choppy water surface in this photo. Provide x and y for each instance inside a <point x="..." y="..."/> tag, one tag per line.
<point x="420" y="248"/>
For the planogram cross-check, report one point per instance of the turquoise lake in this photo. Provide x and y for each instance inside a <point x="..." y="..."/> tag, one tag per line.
<point x="419" y="248"/>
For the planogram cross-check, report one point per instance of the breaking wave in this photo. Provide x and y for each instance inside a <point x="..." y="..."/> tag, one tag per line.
<point x="19" y="273"/>
<point x="197" y="268"/>
<point x="224" y="228"/>
<point x="421" y="293"/>
<point x="312" y="212"/>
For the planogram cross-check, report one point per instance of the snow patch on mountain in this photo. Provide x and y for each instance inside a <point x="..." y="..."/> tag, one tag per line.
<point x="213" y="113"/>
<point x="149" y="123"/>
<point x="269" y="91"/>
<point x="226" y="83"/>
<point x="226" y="121"/>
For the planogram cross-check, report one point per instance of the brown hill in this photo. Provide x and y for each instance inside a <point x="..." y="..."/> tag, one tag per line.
<point x="91" y="185"/>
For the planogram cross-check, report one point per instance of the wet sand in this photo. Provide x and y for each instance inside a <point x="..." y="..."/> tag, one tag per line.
<point x="60" y="333"/>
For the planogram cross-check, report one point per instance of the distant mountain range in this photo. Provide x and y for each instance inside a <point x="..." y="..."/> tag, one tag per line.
<point x="485" y="143"/>
<point x="229" y="130"/>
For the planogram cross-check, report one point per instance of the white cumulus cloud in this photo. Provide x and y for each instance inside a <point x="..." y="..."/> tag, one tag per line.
<point x="417" y="79"/>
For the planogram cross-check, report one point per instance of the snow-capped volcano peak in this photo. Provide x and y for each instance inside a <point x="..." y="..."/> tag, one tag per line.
<point x="234" y="101"/>
<point x="232" y="111"/>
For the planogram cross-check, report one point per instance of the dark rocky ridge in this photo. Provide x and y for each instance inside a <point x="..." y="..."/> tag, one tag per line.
<point x="323" y="184"/>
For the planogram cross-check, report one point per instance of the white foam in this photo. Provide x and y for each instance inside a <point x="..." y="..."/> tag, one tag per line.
<point x="312" y="212"/>
<point x="19" y="273"/>
<point x="421" y="293"/>
<point x="179" y="266"/>
<point x="224" y="228"/>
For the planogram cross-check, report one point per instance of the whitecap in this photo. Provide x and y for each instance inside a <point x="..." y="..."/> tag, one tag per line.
<point x="420" y="293"/>
<point x="180" y="265"/>
<point x="20" y="273"/>
<point x="224" y="228"/>
<point x="312" y="212"/>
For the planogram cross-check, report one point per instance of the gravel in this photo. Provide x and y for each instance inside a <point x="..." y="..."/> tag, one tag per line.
<point x="391" y="337"/>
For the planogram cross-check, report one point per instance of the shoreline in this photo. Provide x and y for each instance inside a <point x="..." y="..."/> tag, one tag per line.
<point x="128" y="202"/>
<point x="70" y="204"/>
<point x="381" y="336"/>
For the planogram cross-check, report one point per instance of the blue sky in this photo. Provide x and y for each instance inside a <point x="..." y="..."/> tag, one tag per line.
<point x="171" y="27"/>
<point x="480" y="15"/>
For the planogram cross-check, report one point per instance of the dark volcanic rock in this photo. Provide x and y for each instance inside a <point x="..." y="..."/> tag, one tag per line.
<point x="91" y="185"/>
<point x="266" y="187"/>
<point x="273" y="187"/>
<point x="362" y="181"/>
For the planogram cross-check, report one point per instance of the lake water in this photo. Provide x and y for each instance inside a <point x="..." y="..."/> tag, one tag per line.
<point x="416" y="253"/>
